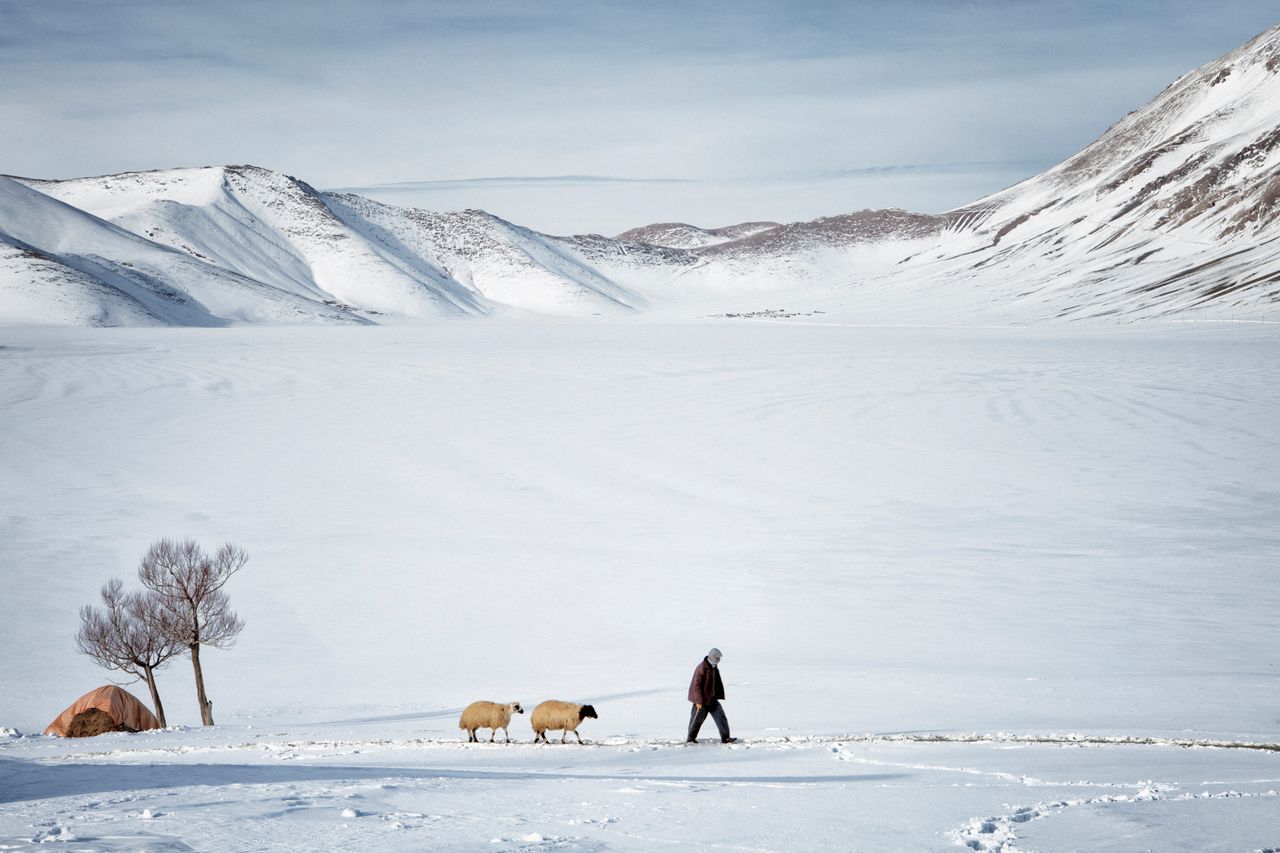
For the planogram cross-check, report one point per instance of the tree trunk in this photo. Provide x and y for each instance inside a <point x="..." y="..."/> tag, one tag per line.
<point x="155" y="696"/>
<point x="206" y="707"/>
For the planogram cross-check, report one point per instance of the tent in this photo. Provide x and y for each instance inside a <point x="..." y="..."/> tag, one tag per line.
<point x="124" y="709"/>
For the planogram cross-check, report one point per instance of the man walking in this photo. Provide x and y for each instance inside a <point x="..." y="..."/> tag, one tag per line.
<point x="705" y="692"/>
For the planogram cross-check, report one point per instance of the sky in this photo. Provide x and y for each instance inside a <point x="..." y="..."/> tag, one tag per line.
<point x="598" y="116"/>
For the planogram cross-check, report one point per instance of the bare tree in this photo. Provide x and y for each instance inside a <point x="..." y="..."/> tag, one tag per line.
<point x="188" y="584"/>
<point x="132" y="633"/>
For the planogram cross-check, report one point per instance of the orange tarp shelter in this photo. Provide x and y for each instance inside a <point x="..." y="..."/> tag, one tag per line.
<point x="123" y="707"/>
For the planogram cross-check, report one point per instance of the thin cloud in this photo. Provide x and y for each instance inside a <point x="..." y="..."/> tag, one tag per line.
<point x="510" y="181"/>
<point x="557" y="107"/>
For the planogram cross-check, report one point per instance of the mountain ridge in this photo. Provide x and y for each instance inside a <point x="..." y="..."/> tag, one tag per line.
<point x="1173" y="212"/>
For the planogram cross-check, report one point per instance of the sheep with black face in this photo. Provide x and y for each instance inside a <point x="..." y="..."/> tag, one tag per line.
<point x="553" y="715"/>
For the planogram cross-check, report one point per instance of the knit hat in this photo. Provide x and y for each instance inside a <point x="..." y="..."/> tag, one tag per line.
<point x="714" y="656"/>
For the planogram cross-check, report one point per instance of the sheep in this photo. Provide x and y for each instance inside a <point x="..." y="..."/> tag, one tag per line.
<point x="488" y="715"/>
<point x="553" y="715"/>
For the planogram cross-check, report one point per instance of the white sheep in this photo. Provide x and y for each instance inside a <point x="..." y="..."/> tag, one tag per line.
<point x="488" y="715"/>
<point x="552" y="715"/>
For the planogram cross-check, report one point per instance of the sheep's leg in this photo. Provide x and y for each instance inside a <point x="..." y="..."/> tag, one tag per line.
<point x="565" y="737"/>
<point x="493" y="733"/>
<point x="578" y="736"/>
<point x="506" y="733"/>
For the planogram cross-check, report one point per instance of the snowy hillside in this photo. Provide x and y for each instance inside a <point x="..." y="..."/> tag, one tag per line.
<point x="494" y="262"/>
<point x="680" y="235"/>
<point x="265" y="226"/>
<point x="1173" y="213"/>
<point x="64" y="266"/>
<point x="270" y="237"/>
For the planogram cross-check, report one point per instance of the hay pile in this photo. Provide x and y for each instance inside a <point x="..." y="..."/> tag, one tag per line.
<point x="93" y="722"/>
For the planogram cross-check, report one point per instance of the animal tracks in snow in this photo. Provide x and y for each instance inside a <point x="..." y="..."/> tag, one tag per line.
<point x="232" y="789"/>
<point x="998" y="834"/>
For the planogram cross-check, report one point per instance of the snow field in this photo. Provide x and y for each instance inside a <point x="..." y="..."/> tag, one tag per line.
<point x="886" y="530"/>
<point x="246" y="789"/>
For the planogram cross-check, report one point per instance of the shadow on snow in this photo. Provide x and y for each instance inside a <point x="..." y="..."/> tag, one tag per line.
<point x="24" y="780"/>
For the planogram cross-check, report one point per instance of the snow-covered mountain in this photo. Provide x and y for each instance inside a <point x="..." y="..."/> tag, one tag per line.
<point x="489" y="260"/>
<point x="1173" y="212"/>
<point x="681" y="235"/>
<point x="353" y="258"/>
<point x="60" y="264"/>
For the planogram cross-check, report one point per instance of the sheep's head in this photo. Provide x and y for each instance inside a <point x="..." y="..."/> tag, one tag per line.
<point x="515" y="706"/>
<point x="587" y="711"/>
